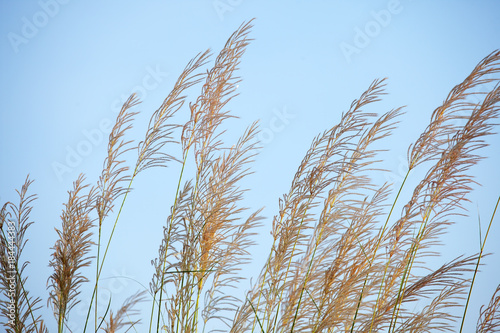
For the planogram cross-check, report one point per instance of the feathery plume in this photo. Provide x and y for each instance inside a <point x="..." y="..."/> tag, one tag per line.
<point x="489" y="319"/>
<point x="160" y="131"/>
<point x="122" y="318"/>
<point x="112" y="176"/>
<point x="71" y="252"/>
<point x="18" y="307"/>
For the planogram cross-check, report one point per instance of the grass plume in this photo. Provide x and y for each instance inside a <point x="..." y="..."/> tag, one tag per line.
<point x="342" y="259"/>
<point x="18" y="308"/>
<point x="71" y="252"/>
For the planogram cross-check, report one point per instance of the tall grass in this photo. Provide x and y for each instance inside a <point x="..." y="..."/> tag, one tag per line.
<point x="342" y="258"/>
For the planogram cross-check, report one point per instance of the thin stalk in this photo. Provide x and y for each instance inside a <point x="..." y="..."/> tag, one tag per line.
<point x="97" y="261"/>
<point x="190" y="283"/>
<point x="399" y="299"/>
<point x="374" y="254"/>
<point x="94" y="293"/>
<point x="413" y="253"/>
<point x="477" y="264"/>
<point x="256" y="316"/>
<point x="364" y="252"/>
<point x="411" y="166"/>
<point x="195" y="315"/>
<point x="195" y="194"/>
<point x="265" y="274"/>
<point x="307" y="276"/>
<point x="97" y="275"/>
<point x="293" y="251"/>
<point x="359" y="304"/>
<point x="166" y="246"/>
<point x="60" y="321"/>
<point x="302" y="290"/>
<point x="263" y="281"/>
<point x="314" y="302"/>
<point x="193" y="201"/>
<point x="27" y="299"/>
<point x="105" y="314"/>
<point x="323" y="161"/>
<point x="289" y="264"/>
<point x="166" y="249"/>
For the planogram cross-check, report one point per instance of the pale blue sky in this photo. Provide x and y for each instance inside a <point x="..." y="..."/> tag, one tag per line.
<point x="66" y="66"/>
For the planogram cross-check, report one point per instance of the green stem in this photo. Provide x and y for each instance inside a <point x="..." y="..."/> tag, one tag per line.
<point x="188" y="277"/>
<point x="60" y="321"/>
<point x="374" y="254"/>
<point x="94" y="293"/>
<point x="288" y="269"/>
<point x="413" y="253"/>
<point x="302" y="290"/>
<point x="164" y="259"/>
<point x="97" y="274"/>
<point x="477" y="264"/>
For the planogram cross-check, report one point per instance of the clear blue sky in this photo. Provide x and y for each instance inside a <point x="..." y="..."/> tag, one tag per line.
<point x="66" y="65"/>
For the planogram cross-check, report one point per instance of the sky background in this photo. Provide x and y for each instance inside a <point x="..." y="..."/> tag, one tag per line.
<point x="66" y="66"/>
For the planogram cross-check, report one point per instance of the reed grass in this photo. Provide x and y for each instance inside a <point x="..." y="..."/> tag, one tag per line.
<point x="342" y="259"/>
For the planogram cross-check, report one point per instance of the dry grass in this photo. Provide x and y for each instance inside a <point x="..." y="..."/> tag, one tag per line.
<point x="340" y="260"/>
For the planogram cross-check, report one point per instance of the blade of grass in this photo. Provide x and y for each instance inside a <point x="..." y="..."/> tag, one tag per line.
<point x="477" y="264"/>
<point x="256" y="316"/>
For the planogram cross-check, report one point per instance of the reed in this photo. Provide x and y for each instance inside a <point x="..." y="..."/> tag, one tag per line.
<point x="342" y="259"/>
